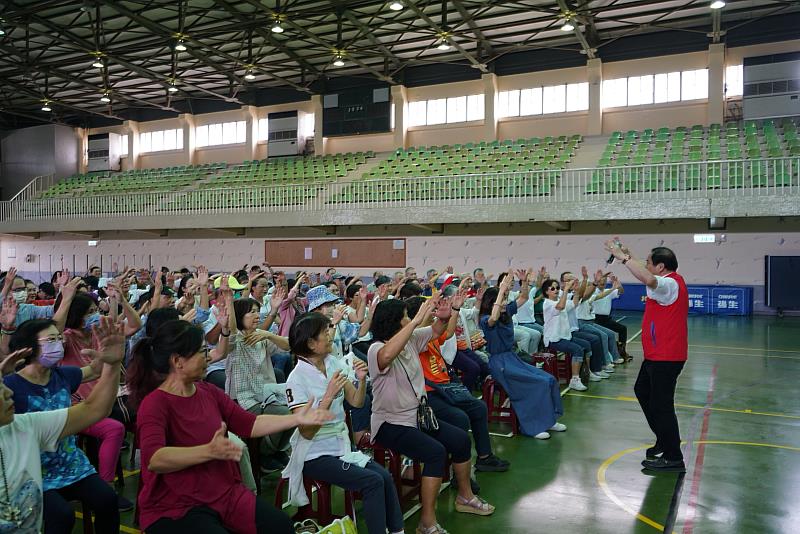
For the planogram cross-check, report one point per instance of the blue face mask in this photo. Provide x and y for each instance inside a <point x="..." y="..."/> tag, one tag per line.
<point x="51" y="353"/>
<point x="304" y="287"/>
<point x="92" y="320"/>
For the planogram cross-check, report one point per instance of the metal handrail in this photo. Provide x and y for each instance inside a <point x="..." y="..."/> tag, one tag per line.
<point x="689" y="180"/>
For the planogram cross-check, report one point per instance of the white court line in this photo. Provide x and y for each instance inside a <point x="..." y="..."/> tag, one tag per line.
<point x="634" y="336"/>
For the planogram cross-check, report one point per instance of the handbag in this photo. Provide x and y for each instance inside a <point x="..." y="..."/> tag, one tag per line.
<point x="455" y="393"/>
<point x="426" y="419"/>
<point x="343" y="525"/>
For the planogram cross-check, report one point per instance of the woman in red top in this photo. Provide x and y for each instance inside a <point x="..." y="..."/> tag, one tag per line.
<point x="190" y="472"/>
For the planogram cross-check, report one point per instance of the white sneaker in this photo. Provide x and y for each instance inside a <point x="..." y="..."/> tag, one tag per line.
<point x="609" y="368"/>
<point x="542" y="435"/>
<point x="558" y="427"/>
<point x="576" y="384"/>
<point x="602" y="374"/>
<point x="619" y="361"/>
<point x="593" y="377"/>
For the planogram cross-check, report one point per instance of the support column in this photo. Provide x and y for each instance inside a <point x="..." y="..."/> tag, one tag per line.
<point x="716" y="83"/>
<point x="594" y="71"/>
<point x="83" y="149"/>
<point x="131" y="128"/>
<point x="251" y="144"/>
<point x="319" y="141"/>
<point x="400" y="101"/>
<point x="187" y="125"/>
<point x="489" y="106"/>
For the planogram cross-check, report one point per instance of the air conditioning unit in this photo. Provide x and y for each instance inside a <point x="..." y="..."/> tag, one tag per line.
<point x="284" y="138"/>
<point x="104" y="152"/>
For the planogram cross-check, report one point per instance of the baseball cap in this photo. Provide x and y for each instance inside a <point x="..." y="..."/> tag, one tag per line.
<point x="233" y="283"/>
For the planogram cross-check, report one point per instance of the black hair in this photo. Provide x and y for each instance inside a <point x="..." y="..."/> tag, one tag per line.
<point x="501" y="277"/>
<point x="26" y="336"/>
<point x="410" y="289"/>
<point x="386" y="321"/>
<point x="55" y="276"/>
<point x="383" y="279"/>
<point x="241" y="276"/>
<point x="242" y="307"/>
<point x="93" y="267"/>
<point x="561" y="278"/>
<point x="185" y="270"/>
<point x="666" y="256"/>
<point x="182" y="285"/>
<point x="77" y="310"/>
<point x="348" y="280"/>
<point x="547" y="283"/>
<point x="28" y="281"/>
<point x="48" y="289"/>
<point x="158" y="317"/>
<point x="413" y="305"/>
<point x="449" y="290"/>
<point x="351" y="291"/>
<point x="489" y="298"/>
<point x="305" y="328"/>
<point x="330" y="283"/>
<point x="91" y="281"/>
<point x="475" y="270"/>
<point x="151" y="356"/>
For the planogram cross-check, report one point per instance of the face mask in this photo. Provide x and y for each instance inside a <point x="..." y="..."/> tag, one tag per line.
<point x="304" y="287"/>
<point x="92" y="320"/>
<point x="52" y="352"/>
<point x="20" y="296"/>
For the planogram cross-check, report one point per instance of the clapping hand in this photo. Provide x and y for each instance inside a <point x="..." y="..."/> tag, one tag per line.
<point x="308" y="416"/>
<point x="111" y="339"/>
<point x="8" y="313"/>
<point x="202" y="275"/>
<point x="222" y="448"/>
<point x="10" y="362"/>
<point x="278" y="296"/>
<point x="361" y="369"/>
<point x="335" y="385"/>
<point x="338" y="313"/>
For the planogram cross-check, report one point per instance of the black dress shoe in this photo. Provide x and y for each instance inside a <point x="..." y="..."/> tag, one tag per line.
<point x="653" y="452"/>
<point x="664" y="465"/>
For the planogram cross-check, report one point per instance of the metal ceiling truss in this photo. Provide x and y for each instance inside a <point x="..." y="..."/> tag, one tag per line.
<point x="53" y="43"/>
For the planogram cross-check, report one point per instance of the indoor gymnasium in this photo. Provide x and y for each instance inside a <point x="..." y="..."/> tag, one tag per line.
<point x="385" y="267"/>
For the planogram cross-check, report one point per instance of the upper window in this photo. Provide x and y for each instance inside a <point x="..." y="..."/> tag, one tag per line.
<point x="263" y="129"/>
<point x="225" y="133"/>
<point x="446" y="110"/>
<point x="734" y="80"/>
<point x="161" y="140"/>
<point x="655" y="89"/>
<point x="123" y="145"/>
<point x="543" y="100"/>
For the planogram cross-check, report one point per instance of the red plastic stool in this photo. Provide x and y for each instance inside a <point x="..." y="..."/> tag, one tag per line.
<point x="393" y="462"/>
<point x="563" y="371"/>
<point x="323" y="514"/>
<point x="494" y="406"/>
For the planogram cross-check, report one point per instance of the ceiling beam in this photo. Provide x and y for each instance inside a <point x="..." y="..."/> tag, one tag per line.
<point x="588" y="49"/>
<point x="466" y="17"/>
<point x="368" y="33"/>
<point x="58" y="101"/>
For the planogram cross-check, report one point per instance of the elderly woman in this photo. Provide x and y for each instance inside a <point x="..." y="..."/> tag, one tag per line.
<point x="398" y="384"/>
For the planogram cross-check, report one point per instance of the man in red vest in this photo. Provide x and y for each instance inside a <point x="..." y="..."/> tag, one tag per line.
<point x="665" y="345"/>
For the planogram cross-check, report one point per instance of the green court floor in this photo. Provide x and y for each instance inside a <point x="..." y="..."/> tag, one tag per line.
<point x="739" y="411"/>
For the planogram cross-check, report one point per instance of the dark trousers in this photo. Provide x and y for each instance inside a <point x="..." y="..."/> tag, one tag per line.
<point x="591" y="342"/>
<point x="59" y="516"/>
<point x="381" y="505"/>
<point x="217" y="378"/>
<point x="474" y="368"/>
<point x="465" y="415"/>
<point x="204" y="520"/>
<point x="430" y="449"/>
<point x="611" y="324"/>
<point x="655" y="390"/>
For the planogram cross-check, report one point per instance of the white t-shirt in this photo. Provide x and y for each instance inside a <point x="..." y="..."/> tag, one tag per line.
<point x="525" y="312"/>
<point x="306" y="381"/>
<point x="556" y="322"/>
<point x="583" y="310"/>
<point x="22" y="442"/>
<point x="666" y="292"/>
<point x="603" y="306"/>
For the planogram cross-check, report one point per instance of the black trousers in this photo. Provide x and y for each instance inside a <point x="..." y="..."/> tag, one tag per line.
<point x="655" y="390"/>
<point x="611" y="324"/>
<point x="204" y="520"/>
<point x="430" y="449"/>
<point x="59" y="516"/>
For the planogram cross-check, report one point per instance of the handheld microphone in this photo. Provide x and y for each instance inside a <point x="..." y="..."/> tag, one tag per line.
<point x="611" y="258"/>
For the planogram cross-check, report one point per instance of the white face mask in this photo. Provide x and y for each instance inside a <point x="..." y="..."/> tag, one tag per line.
<point x="20" y="296"/>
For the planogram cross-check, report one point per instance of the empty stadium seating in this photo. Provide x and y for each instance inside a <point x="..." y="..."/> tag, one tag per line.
<point x="690" y="158"/>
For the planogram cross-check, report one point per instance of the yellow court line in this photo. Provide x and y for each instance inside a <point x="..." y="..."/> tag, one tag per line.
<point x="601" y="473"/>
<point x="693" y="406"/>
<point x="745" y="348"/>
<point x="122" y="528"/>
<point x="747" y="354"/>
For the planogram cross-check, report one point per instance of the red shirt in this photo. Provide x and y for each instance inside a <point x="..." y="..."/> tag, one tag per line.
<point x="664" y="328"/>
<point x="166" y="420"/>
<point x="433" y="365"/>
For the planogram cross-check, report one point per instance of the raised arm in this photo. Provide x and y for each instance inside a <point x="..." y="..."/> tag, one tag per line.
<point x="202" y="280"/>
<point x="634" y="265"/>
<point x="502" y="295"/>
<point x="278" y="295"/>
<point x="133" y="323"/>
<point x="525" y="288"/>
<point x="98" y="405"/>
<point x="397" y="343"/>
<point x="67" y="294"/>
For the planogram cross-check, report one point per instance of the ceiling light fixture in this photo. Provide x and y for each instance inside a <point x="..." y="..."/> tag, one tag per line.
<point x="396" y="6"/>
<point x="568" y="26"/>
<point x="180" y="46"/>
<point x="105" y="98"/>
<point x="444" y="45"/>
<point x="717" y="4"/>
<point x="97" y="64"/>
<point x="249" y="76"/>
<point x="46" y="106"/>
<point x="338" y="60"/>
<point x="276" y="27"/>
<point x="172" y="88"/>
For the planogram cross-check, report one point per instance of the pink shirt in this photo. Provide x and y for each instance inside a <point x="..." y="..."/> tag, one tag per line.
<point x="166" y="420"/>
<point x="396" y="390"/>
<point x="75" y="340"/>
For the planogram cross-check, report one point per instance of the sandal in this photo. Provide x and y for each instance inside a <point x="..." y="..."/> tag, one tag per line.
<point x="476" y="506"/>
<point x="435" y="529"/>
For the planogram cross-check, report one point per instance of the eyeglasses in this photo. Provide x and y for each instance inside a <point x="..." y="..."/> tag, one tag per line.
<point x="331" y="326"/>
<point x="51" y="339"/>
<point x="554" y="288"/>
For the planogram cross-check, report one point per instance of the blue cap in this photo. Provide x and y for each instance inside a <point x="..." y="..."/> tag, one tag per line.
<point x="319" y="295"/>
